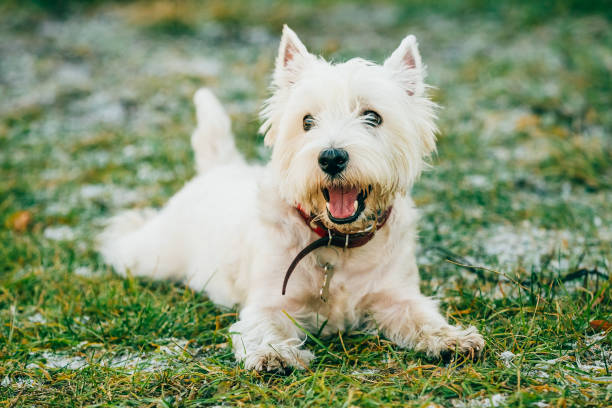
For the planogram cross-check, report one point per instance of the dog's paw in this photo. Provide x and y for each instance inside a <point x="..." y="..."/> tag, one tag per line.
<point x="277" y="358"/>
<point x="454" y="341"/>
<point x="465" y="343"/>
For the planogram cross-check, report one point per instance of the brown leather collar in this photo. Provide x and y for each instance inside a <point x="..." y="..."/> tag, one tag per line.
<point x="332" y="237"/>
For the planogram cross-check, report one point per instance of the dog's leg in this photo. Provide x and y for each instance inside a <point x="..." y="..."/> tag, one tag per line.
<point x="212" y="140"/>
<point x="265" y="339"/>
<point x="412" y="320"/>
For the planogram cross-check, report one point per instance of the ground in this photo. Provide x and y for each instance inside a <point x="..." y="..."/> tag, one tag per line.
<point x="516" y="229"/>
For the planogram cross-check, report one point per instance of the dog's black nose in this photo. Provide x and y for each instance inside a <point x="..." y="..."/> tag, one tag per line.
<point x="333" y="161"/>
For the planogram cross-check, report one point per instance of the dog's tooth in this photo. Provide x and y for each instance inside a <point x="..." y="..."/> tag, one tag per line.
<point x="327" y="205"/>
<point x="355" y="205"/>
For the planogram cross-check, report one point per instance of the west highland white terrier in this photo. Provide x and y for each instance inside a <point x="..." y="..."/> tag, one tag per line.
<point x="331" y="210"/>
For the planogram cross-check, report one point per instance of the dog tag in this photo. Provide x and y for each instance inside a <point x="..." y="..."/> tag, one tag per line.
<point x="328" y="271"/>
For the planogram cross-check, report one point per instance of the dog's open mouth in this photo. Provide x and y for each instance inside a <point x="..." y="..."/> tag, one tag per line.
<point x="345" y="204"/>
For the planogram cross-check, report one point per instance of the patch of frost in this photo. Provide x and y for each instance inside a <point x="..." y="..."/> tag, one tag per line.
<point x="118" y="196"/>
<point x="84" y="271"/>
<point x="507" y="356"/>
<point x="367" y="371"/>
<point x="83" y="319"/>
<point x="18" y="383"/>
<point x="138" y="362"/>
<point x="526" y="245"/>
<point x="479" y="181"/>
<point x="59" y="233"/>
<point x="49" y="359"/>
<point x="197" y="67"/>
<point x="494" y="400"/>
<point x="37" y="318"/>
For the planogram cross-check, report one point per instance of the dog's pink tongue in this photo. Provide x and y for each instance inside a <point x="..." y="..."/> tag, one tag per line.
<point x="342" y="201"/>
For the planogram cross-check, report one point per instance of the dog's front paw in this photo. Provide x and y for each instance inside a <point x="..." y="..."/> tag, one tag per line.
<point x="451" y="341"/>
<point x="277" y="358"/>
<point x="467" y="343"/>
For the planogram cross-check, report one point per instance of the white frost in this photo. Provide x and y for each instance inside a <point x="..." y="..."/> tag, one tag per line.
<point x="59" y="233"/>
<point x="18" y="382"/>
<point x="171" y="351"/>
<point x="523" y="244"/>
<point x="118" y="196"/>
<point x="494" y="400"/>
<point x="366" y="371"/>
<point x="85" y="271"/>
<point x="49" y="359"/>
<point x="37" y="318"/>
<point x="507" y="357"/>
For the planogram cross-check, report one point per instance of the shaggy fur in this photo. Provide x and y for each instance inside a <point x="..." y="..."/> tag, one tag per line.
<point x="233" y="230"/>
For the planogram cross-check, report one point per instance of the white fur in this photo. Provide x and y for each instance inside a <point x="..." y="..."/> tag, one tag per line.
<point x="233" y="230"/>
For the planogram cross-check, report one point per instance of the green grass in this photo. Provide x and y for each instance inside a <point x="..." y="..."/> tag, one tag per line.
<point x="94" y="118"/>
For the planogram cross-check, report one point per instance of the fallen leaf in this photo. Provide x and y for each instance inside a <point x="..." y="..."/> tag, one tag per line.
<point x="19" y="221"/>
<point x="602" y="325"/>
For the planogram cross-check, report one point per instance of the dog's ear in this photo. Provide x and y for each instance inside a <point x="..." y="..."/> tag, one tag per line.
<point x="405" y="62"/>
<point x="291" y="57"/>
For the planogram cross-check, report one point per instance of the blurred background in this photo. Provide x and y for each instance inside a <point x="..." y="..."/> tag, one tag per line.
<point x="96" y="112"/>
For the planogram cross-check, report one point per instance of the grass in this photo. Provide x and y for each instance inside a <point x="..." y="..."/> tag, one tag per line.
<point x="95" y="116"/>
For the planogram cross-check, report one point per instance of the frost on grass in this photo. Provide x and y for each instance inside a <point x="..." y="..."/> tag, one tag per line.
<point x="84" y="271"/>
<point x="18" y="382"/>
<point x="59" y="233"/>
<point x="101" y="108"/>
<point x="597" y="358"/>
<point x="479" y="181"/>
<point x="52" y="360"/>
<point x="82" y="319"/>
<point x="170" y="353"/>
<point x="37" y="318"/>
<point x="590" y="357"/>
<point x="530" y="247"/>
<point x="507" y="356"/>
<point x="117" y="196"/>
<point x="138" y="362"/>
<point x="495" y="400"/>
<point x="365" y="371"/>
<point x="147" y="173"/>
<point x="172" y="64"/>
<point x="525" y="244"/>
<point x="507" y="248"/>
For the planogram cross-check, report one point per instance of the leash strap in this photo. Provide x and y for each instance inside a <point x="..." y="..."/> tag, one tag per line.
<point x="333" y="238"/>
<point x="321" y="242"/>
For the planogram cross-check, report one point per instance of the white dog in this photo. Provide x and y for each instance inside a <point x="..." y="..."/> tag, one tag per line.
<point x="348" y="142"/>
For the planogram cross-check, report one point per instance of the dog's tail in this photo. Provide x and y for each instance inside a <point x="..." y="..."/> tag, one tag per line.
<point x="212" y="140"/>
<point x="141" y="243"/>
<point x="114" y="243"/>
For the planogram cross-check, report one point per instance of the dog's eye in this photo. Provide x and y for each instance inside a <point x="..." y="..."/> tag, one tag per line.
<point x="371" y="118"/>
<point x="308" y="122"/>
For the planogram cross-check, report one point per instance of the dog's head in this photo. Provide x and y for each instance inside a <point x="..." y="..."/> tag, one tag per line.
<point x="347" y="138"/>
